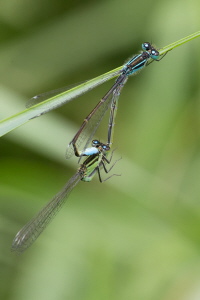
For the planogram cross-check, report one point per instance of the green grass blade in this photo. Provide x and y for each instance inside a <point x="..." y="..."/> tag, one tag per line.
<point x="21" y="118"/>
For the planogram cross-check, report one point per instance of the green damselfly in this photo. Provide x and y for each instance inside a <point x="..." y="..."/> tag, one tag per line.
<point x="84" y="135"/>
<point x="96" y="155"/>
<point x="96" y="159"/>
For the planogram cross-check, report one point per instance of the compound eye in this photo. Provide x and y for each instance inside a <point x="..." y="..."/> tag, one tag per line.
<point x="105" y="147"/>
<point x="95" y="143"/>
<point x="155" y="54"/>
<point x="146" y="46"/>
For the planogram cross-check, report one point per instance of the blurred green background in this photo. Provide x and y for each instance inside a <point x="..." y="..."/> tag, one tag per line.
<point x="133" y="237"/>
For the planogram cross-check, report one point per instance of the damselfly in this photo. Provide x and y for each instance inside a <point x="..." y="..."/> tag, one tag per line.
<point x="87" y="130"/>
<point x="96" y="159"/>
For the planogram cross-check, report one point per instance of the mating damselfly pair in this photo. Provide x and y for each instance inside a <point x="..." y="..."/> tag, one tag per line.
<point x="96" y="156"/>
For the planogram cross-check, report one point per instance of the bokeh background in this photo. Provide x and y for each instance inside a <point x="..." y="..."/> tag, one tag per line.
<point x="136" y="236"/>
